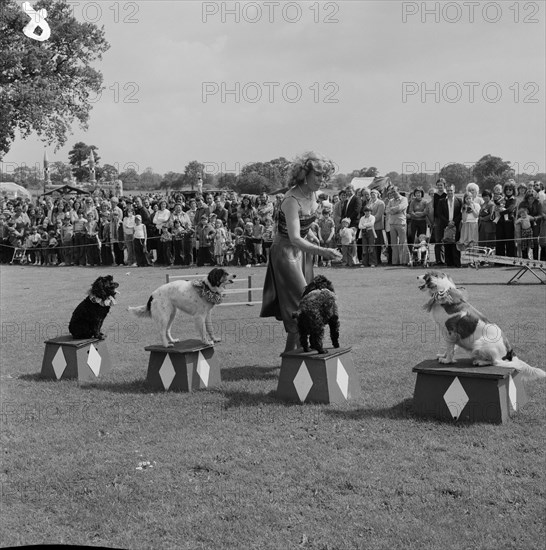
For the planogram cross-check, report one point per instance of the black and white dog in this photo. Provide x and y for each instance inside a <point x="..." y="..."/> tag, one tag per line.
<point x="197" y="298"/>
<point x="463" y="325"/>
<point x="88" y="317"/>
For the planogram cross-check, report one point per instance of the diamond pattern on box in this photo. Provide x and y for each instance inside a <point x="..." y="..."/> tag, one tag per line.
<point x="94" y="360"/>
<point x="203" y="369"/>
<point x="342" y="379"/>
<point x="59" y="363"/>
<point x="303" y="382"/>
<point x="513" y="394"/>
<point x="455" y="398"/>
<point x="167" y="372"/>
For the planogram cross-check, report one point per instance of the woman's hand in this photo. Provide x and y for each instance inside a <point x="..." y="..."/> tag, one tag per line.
<point x="331" y="254"/>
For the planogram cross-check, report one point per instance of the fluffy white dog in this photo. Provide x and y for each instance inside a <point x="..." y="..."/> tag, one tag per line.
<point x="197" y="298"/>
<point x="464" y="326"/>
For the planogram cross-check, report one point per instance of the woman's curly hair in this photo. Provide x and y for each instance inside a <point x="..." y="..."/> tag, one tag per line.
<point x="302" y="165"/>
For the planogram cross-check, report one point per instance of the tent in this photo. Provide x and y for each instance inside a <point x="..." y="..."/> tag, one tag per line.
<point x="361" y="183"/>
<point x="379" y="182"/>
<point x="11" y="190"/>
<point x="66" y="190"/>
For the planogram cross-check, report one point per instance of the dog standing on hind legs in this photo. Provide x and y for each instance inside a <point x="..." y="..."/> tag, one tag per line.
<point x="318" y="307"/>
<point x="197" y="298"/>
<point x="463" y="325"/>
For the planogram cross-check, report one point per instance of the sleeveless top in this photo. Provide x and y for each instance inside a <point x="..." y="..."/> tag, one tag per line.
<point x="305" y="220"/>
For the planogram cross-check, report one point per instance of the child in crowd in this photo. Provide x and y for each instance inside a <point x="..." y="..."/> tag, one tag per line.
<point x="248" y="233"/>
<point x="368" y="236"/>
<point x="257" y="238"/>
<point x="525" y="229"/>
<point x="220" y="240"/>
<point x="80" y="239"/>
<point x="164" y="254"/>
<point x="267" y="237"/>
<point x="66" y="237"/>
<point x="178" y="240"/>
<point x="204" y="237"/>
<point x="469" y="227"/>
<point x="347" y="238"/>
<point x="19" y="252"/>
<point x="52" y="249"/>
<point x="326" y="232"/>
<point x="93" y="242"/>
<point x="486" y="226"/>
<point x="240" y="254"/>
<point x="35" y="241"/>
<point x="421" y="251"/>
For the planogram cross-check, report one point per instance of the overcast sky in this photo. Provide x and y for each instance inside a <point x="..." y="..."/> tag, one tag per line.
<point x="360" y="67"/>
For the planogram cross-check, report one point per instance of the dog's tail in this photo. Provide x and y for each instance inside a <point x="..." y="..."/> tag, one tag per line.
<point x="142" y="311"/>
<point x="528" y="373"/>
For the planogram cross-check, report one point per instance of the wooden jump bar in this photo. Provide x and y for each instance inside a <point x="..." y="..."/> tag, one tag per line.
<point x="248" y="280"/>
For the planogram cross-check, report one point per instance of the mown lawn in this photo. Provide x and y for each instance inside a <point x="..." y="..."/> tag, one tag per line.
<point x="237" y="468"/>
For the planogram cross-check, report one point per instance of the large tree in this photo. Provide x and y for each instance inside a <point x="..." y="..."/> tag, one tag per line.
<point x="490" y="170"/>
<point x="60" y="172"/>
<point x="457" y="174"/>
<point x="78" y="158"/>
<point x="45" y="86"/>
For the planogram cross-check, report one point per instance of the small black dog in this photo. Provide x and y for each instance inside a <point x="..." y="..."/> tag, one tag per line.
<point x="87" y="319"/>
<point x="318" y="308"/>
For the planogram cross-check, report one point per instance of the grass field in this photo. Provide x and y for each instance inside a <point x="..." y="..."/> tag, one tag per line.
<point x="117" y="465"/>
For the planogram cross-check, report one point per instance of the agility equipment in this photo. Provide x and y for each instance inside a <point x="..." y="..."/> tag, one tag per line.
<point x="306" y="377"/>
<point x="464" y="392"/>
<point x="187" y="366"/>
<point x="482" y="254"/>
<point x="68" y="358"/>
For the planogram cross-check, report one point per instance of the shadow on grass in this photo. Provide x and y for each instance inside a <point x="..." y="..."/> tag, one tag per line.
<point x="34" y="377"/>
<point x="238" y="399"/>
<point x="402" y="410"/>
<point x="127" y="386"/>
<point x="249" y="373"/>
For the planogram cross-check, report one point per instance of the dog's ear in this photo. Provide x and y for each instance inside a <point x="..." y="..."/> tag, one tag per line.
<point x="215" y="276"/>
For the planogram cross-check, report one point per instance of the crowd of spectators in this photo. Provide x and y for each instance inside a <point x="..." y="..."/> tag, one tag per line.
<point x="370" y="227"/>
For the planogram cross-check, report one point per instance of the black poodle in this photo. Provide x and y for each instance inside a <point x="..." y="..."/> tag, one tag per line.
<point x="318" y="308"/>
<point x="87" y="319"/>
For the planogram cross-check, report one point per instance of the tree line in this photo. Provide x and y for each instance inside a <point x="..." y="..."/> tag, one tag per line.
<point x="253" y="178"/>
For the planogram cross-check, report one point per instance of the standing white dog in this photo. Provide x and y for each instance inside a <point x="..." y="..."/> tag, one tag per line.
<point x="464" y="326"/>
<point x="197" y="298"/>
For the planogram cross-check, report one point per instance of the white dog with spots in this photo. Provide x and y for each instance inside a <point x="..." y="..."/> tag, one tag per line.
<point x="464" y="326"/>
<point x="197" y="298"/>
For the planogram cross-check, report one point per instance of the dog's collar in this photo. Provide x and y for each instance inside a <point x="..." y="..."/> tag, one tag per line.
<point x="444" y="297"/>
<point x="205" y="292"/>
<point x="110" y="301"/>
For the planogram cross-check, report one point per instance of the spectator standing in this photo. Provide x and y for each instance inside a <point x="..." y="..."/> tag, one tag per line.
<point x="469" y="228"/>
<point x="417" y="215"/>
<point x="396" y="211"/>
<point x="140" y="239"/>
<point x="367" y="235"/>
<point x="347" y="238"/>
<point x="128" y="235"/>
<point x="486" y="227"/>
<point x="326" y="232"/>
<point x="377" y="210"/>
<point x="505" y="213"/>
<point x="536" y="217"/>
<point x="437" y="230"/>
<point x="450" y="215"/>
